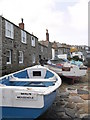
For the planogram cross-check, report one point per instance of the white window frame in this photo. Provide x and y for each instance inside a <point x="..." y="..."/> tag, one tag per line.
<point x="23" y="37"/>
<point x="9" y="56"/>
<point x="9" y="30"/>
<point x="33" y="58"/>
<point x="33" y="41"/>
<point x="20" y="57"/>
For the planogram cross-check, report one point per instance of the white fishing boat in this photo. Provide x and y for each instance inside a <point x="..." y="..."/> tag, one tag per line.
<point x="66" y="69"/>
<point x="28" y="93"/>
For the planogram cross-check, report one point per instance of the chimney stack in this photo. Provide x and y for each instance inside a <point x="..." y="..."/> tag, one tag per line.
<point x="21" y="25"/>
<point x="47" y="35"/>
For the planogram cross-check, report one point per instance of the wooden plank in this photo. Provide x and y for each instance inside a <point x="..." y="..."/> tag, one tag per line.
<point x="13" y="79"/>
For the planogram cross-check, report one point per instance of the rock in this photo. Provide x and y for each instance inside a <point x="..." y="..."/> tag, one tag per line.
<point x="82" y="91"/>
<point x="58" y="98"/>
<point x="77" y="115"/>
<point x="76" y="99"/>
<point x="73" y="94"/>
<point x="70" y="105"/>
<point x="66" y="117"/>
<point x="83" y="115"/>
<point x="79" y="106"/>
<point x="66" y="99"/>
<point x="63" y="103"/>
<point x="60" y="103"/>
<point x="64" y="95"/>
<point x="85" y="96"/>
<point x="60" y="109"/>
<point x="83" y="108"/>
<point x="87" y="117"/>
<point x="61" y="114"/>
<point x="77" y="118"/>
<point x="70" y="112"/>
<point x="71" y="88"/>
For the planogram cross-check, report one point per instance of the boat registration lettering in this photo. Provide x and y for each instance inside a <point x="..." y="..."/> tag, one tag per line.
<point x="25" y="96"/>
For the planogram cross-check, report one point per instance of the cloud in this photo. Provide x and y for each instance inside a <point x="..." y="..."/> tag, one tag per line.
<point x="79" y="21"/>
<point x="65" y="20"/>
<point x="79" y="14"/>
<point x="37" y="14"/>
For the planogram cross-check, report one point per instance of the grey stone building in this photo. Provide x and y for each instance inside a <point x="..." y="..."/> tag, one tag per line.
<point x="45" y="48"/>
<point x="18" y="48"/>
<point x="60" y="48"/>
<point x="63" y="48"/>
<point x="42" y="51"/>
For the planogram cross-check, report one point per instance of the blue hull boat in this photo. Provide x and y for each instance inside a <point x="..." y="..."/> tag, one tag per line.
<point x="28" y="93"/>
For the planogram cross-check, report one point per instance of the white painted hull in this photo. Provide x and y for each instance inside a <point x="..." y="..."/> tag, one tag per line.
<point x="74" y="72"/>
<point x="30" y="105"/>
<point x="17" y="93"/>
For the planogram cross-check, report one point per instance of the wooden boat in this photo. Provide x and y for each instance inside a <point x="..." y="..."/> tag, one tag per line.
<point x="66" y="69"/>
<point x="28" y="93"/>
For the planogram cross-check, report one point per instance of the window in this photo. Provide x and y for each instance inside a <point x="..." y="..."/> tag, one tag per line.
<point x="32" y="41"/>
<point x="9" y="32"/>
<point x="20" y="57"/>
<point x="8" y="53"/>
<point x="33" y="58"/>
<point x="41" y="48"/>
<point x="64" y="50"/>
<point x="23" y="36"/>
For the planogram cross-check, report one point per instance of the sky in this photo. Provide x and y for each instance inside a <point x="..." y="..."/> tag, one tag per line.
<point x="66" y="20"/>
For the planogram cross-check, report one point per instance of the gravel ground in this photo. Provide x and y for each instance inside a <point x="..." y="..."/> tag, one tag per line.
<point x="72" y="101"/>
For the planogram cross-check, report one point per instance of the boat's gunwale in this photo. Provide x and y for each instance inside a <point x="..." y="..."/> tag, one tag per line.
<point x="46" y="90"/>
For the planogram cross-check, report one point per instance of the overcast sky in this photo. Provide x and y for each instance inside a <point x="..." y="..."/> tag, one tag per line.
<point x="66" y="20"/>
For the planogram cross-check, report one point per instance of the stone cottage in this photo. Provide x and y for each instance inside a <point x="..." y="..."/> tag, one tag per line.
<point x="18" y="48"/>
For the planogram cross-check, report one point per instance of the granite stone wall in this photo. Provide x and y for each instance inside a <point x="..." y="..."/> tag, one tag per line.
<point x="15" y="45"/>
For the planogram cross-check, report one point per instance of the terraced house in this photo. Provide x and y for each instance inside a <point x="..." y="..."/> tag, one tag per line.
<point x="18" y="48"/>
<point x="60" y="49"/>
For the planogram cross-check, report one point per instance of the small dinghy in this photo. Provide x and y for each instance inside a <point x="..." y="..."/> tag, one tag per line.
<point x="28" y="93"/>
<point x="66" y="69"/>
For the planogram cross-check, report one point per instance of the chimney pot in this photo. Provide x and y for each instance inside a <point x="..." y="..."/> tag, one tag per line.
<point x="46" y="30"/>
<point x="21" y="25"/>
<point x="22" y="20"/>
<point x="47" y="35"/>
